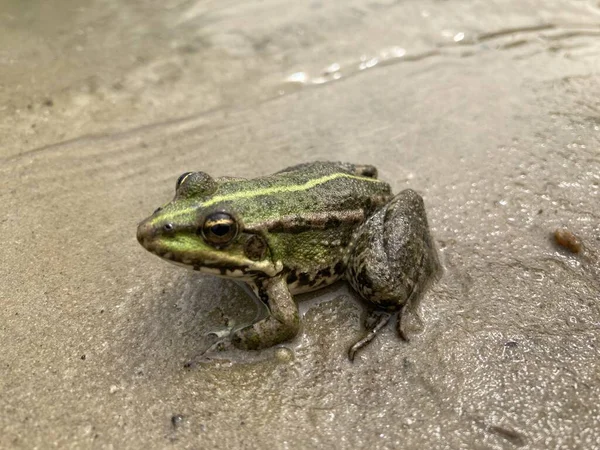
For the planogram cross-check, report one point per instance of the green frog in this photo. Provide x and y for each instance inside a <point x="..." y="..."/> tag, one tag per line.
<point x="295" y="231"/>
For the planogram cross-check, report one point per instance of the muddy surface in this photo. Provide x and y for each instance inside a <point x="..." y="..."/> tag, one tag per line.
<point x="488" y="108"/>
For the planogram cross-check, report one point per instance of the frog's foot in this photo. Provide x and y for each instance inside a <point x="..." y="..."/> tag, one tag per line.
<point x="375" y="321"/>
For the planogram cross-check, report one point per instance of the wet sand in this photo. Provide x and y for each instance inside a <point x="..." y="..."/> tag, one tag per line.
<point x="488" y="109"/>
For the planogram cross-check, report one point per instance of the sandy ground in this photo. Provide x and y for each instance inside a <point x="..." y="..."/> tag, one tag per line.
<point x="488" y="108"/>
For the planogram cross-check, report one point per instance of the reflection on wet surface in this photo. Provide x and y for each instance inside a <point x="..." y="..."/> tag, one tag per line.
<point x="76" y="69"/>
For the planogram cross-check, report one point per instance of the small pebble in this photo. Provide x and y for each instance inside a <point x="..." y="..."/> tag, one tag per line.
<point x="567" y="240"/>
<point x="176" y="420"/>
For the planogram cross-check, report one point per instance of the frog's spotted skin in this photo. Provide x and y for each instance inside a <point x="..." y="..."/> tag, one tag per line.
<point x="295" y="231"/>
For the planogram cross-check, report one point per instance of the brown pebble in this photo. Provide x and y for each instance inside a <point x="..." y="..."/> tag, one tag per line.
<point x="566" y="239"/>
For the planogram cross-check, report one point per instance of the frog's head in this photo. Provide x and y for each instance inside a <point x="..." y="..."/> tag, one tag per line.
<point x="198" y="230"/>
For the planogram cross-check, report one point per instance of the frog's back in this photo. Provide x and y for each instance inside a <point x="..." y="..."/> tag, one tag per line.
<point x="304" y="196"/>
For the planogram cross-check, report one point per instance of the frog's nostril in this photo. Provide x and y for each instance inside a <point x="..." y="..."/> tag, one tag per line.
<point x="168" y="227"/>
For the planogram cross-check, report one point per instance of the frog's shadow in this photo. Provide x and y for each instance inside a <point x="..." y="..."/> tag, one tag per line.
<point x="175" y="320"/>
<point x="179" y="320"/>
<point x="244" y="308"/>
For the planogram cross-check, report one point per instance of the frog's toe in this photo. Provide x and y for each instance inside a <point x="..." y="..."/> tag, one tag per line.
<point x="382" y="320"/>
<point x="220" y="333"/>
<point x="373" y="318"/>
<point x="220" y="345"/>
<point x="408" y="323"/>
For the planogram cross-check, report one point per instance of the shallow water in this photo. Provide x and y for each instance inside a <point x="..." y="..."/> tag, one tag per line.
<point x="488" y="108"/>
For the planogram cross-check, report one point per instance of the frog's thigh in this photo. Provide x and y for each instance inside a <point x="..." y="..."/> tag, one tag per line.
<point x="393" y="257"/>
<point x="282" y="323"/>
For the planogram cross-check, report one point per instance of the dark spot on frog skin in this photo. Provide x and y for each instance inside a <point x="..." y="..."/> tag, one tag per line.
<point x="226" y="270"/>
<point x="332" y="222"/>
<point x="292" y="277"/>
<point x="303" y="279"/>
<point x="338" y="269"/>
<point x="261" y="291"/>
<point x="324" y="273"/>
<point x="364" y="280"/>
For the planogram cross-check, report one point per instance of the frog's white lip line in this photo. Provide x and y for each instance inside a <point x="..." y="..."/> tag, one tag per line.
<point x="211" y="265"/>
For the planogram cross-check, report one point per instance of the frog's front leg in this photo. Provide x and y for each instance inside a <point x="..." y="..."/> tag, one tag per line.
<point x="282" y="323"/>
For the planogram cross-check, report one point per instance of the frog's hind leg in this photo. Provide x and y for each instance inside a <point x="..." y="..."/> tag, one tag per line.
<point x="375" y="321"/>
<point x="364" y="170"/>
<point x="393" y="258"/>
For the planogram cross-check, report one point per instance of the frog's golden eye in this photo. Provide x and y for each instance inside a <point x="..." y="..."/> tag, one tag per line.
<point x="182" y="177"/>
<point x="219" y="229"/>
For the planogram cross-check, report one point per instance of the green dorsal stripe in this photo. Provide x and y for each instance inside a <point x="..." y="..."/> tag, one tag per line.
<point x="278" y="189"/>
<point x="265" y="191"/>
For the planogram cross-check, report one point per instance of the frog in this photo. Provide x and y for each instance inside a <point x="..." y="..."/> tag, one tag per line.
<point x="299" y="230"/>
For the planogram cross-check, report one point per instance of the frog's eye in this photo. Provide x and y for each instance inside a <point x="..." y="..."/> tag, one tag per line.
<point x="182" y="177"/>
<point x="194" y="184"/>
<point x="219" y="229"/>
